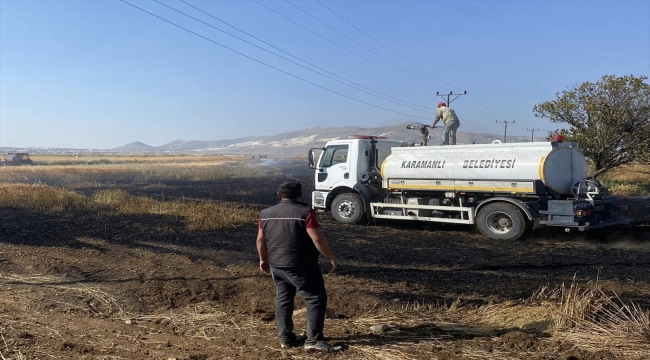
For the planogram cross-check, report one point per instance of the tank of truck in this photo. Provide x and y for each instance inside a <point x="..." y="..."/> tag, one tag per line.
<point x="558" y="165"/>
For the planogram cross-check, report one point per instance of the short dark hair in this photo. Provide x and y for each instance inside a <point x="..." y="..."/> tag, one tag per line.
<point x="291" y="190"/>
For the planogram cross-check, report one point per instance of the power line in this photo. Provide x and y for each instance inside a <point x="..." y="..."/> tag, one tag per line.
<point x="532" y="132"/>
<point x="355" y="42"/>
<point x="465" y="123"/>
<point x="476" y="110"/>
<point x="382" y="45"/>
<point x="505" y="129"/>
<point x="353" y="53"/>
<point x="396" y="54"/>
<point x="448" y="96"/>
<point x="339" y="46"/>
<point x="468" y="123"/>
<point x="480" y="103"/>
<point x="277" y="69"/>
<point x="270" y="66"/>
<point x="344" y="82"/>
<point x="305" y="61"/>
<point x="448" y="100"/>
<point x="520" y="128"/>
<point x="370" y="51"/>
<point x="393" y="52"/>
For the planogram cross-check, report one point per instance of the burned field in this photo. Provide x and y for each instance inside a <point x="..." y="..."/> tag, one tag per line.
<point x="156" y="260"/>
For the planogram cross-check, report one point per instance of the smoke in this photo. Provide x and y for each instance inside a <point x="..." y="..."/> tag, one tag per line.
<point x="626" y="238"/>
<point x="279" y="162"/>
<point x="631" y="244"/>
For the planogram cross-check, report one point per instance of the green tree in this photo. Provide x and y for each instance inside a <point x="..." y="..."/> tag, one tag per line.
<point x="610" y="119"/>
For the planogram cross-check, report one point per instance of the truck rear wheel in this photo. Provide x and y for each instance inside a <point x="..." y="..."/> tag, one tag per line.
<point x="347" y="208"/>
<point x="501" y="221"/>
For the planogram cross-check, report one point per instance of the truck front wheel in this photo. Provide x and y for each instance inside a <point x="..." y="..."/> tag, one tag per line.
<point x="501" y="221"/>
<point x="347" y="208"/>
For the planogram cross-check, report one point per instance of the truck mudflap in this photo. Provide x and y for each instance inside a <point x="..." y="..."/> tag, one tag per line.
<point x="362" y="190"/>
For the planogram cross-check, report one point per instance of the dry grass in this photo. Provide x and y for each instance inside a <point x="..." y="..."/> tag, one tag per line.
<point x="73" y="176"/>
<point x="599" y="320"/>
<point x="531" y="317"/>
<point x="102" y="303"/>
<point x="631" y="180"/>
<point x="628" y="190"/>
<point x="41" y="198"/>
<point x="48" y="189"/>
<point x="584" y="316"/>
<point x="632" y="173"/>
<point x="104" y="159"/>
<point x="198" y="215"/>
<point x="202" y="320"/>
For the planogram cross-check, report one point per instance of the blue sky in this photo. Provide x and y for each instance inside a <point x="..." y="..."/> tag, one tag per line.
<point x="100" y="73"/>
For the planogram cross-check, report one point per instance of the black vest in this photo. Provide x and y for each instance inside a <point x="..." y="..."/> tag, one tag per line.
<point x="287" y="241"/>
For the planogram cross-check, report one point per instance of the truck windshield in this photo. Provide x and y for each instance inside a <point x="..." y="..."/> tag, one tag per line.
<point x="334" y="154"/>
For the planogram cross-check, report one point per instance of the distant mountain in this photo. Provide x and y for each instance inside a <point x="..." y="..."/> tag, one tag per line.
<point x="136" y="147"/>
<point x="298" y="142"/>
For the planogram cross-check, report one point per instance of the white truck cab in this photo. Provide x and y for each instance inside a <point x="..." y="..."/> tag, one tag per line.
<point x="345" y="163"/>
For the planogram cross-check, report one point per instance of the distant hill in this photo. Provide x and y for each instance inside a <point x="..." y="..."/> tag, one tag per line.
<point x="136" y="147"/>
<point x="298" y="142"/>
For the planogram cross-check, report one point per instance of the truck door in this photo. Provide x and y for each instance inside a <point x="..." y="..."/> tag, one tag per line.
<point x="333" y="166"/>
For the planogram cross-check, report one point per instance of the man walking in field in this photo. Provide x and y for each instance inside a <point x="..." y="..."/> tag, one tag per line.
<point x="451" y="122"/>
<point x="288" y="242"/>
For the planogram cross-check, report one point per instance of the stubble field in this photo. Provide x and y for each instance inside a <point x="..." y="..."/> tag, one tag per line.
<point x="154" y="258"/>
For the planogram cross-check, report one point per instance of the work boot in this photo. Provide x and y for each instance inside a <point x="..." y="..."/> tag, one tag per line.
<point x="323" y="346"/>
<point x="298" y="340"/>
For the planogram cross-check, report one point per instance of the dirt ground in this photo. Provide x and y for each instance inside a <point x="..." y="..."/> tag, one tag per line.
<point x="82" y="285"/>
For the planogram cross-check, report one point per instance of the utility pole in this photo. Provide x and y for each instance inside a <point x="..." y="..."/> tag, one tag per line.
<point x="505" y="129"/>
<point x="532" y="131"/>
<point x="447" y="97"/>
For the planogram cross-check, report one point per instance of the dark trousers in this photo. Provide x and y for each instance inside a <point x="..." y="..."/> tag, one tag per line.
<point x="309" y="283"/>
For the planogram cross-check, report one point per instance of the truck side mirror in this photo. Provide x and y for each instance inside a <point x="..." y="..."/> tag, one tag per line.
<point x="311" y="155"/>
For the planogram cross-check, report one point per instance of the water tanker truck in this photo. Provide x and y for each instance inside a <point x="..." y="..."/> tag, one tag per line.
<point x="505" y="190"/>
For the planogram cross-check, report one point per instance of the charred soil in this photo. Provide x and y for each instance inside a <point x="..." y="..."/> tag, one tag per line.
<point x="103" y="285"/>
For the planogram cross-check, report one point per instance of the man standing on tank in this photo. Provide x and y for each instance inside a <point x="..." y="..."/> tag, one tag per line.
<point x="289" y="240"/>
<point x="451" y="122"/>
